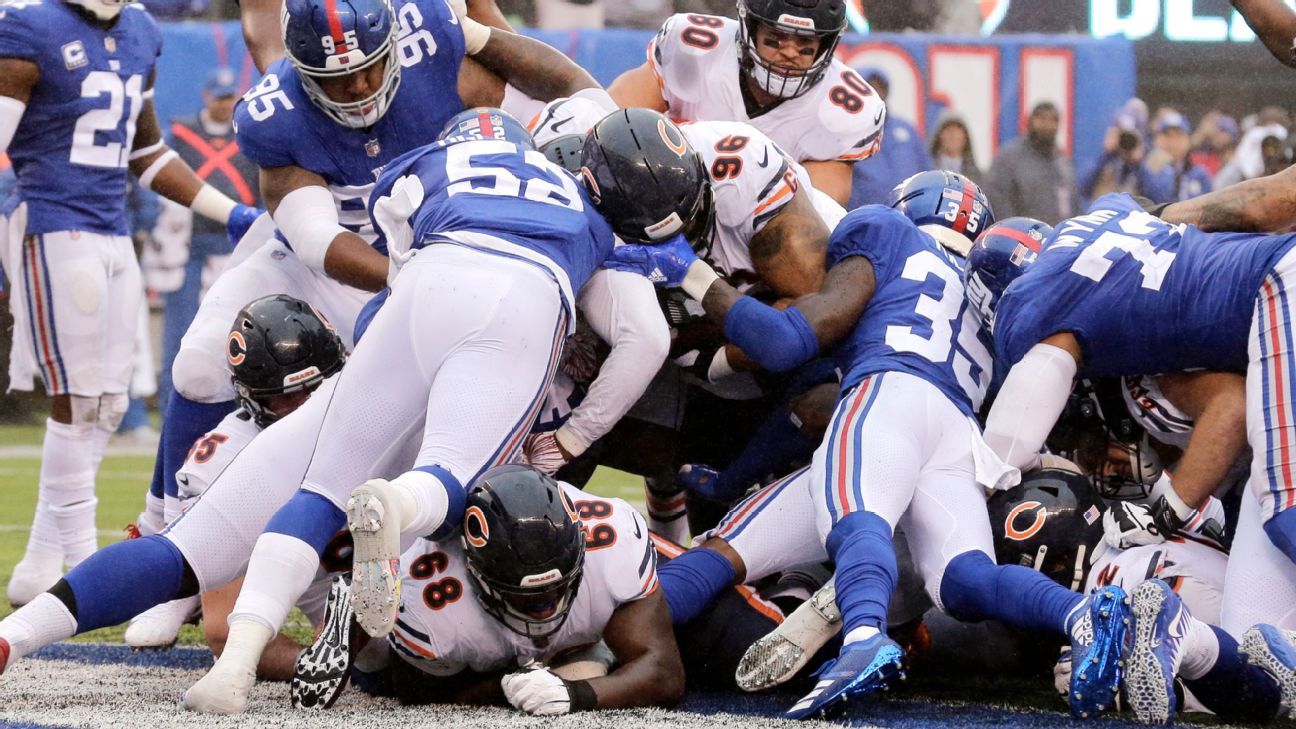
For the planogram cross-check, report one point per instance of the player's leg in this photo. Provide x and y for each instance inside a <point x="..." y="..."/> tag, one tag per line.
<point x="1271" y="413"/>
<point x="1259" y="583"/>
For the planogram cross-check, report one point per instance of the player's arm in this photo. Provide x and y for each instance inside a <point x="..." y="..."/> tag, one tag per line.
<point x="304" y="211"/>
<point x="638" y="87"/>
<point x="832" y="177"/>
<point x="1274" y="23"/>
<point x="650" y="671"/>
<point x="535" y="68"/>
<point x="17" y="79"/>
<point x="1031" y="399"/>
<point x="1263" y="205"/>
<point x="788" y="253"/>
<point x="261" y="30"/>
<point x="1216" y="401"/>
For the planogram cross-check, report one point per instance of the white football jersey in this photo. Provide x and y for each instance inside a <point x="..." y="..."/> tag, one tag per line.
<point x="1193" y="568"/>
<point x="695" y="59"/>
<point x="211" y="453"/>
<point x="1151" y="409"/>
<point x="442" y="628"/>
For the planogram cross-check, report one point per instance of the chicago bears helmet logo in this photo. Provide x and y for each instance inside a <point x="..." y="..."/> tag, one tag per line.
<point x="591" y="185"/>
<point x="679" y="147"/>
<point x="476" y="531"/>
<point x="236" y="348"/>
<point x="1031" y="529"/>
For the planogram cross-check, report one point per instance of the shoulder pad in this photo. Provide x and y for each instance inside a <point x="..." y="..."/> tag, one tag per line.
<point x="851" y="116"/>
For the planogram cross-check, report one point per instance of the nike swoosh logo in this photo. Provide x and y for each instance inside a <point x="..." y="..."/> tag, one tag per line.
<point x="881" y="113"/>
<point x="765" y="159"/>
<point x="638" y="534"/>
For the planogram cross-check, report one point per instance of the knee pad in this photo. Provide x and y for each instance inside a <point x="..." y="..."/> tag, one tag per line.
<point x="200" y="377"/>
<point x="85" y="410"/>
<point x="112" y="408"/>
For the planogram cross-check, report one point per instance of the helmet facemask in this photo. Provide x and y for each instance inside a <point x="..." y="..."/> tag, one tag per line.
<point x="537" y="611"/>
<point x="783" y="82"/>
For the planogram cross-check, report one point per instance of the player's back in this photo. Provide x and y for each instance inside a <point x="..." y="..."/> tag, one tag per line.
<point x="1140" y="295"/>
<point x="917" y="320"/>
<point x="494" y="195"/>
<point x="71" y="148"/>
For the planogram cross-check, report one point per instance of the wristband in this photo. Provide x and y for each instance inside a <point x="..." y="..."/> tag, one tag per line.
<point x="212" y="203"/>
<point x="698" y="279"/>
<point x="582" y="695"/>
<point x="475" y="35"/>
<point x="570" y="442"/>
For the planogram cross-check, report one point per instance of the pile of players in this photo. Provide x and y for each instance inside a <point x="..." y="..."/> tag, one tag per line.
<point x="801" y="387"/>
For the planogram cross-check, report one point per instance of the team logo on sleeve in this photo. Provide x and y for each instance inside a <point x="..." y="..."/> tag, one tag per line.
<point x="236" y="348"/>
<point x="1029" y="528"/>
<point x="476" y="532"/>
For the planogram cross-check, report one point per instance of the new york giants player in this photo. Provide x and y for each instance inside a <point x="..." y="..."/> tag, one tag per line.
<point x="903" y="446"/>
<point x="362" y="84"/>
<point x="772" y="68"/>
<point x="76" y="112"/>
<point x="1067" y="315"/>
<point x="488" y="242"/>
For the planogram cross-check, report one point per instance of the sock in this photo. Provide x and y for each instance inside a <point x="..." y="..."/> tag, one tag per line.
<point x="153" y="519"/>
<point x="863" y="632"/>
<point x="860" y="545"/>
<point x="666" y="510"/>
<point x="280" y="570"/>
<point x="67" y="481"/>
<point x="247" y="640"/>
<point x="123" y="580"/>
<point x="1282" y="532"/>
<point x="186" y="421"/>
<point x="692" y="581"/>
<point x="1200" y="650"/>
<point x="310" y="518"/>
<point x="975" y="588"/>
<point x="1231" y="687"/>
<point x="43" y="544"/>
<point x="776" y="446"/>
<point x="39" y="623"/>
<point x="431" y="502"/>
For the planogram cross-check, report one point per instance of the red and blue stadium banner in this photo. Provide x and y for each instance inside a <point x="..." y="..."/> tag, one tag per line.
<point x="993" y="82"/>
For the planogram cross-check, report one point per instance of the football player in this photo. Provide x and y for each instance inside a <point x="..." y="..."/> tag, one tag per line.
<point x="281" y="352"/>
<point x="903" y="446"/>
<point x="772" y="68"/>
<point x="538" y="571"/>
<point x="76" y="114"/>
<point x="1067" y="315"/>
<point x="362" y="84"/>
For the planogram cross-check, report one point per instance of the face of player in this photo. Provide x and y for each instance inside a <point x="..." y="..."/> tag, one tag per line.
<point x="788" y="51"/>
<point x="356" y="86"/>
<point x="282" y="405"/>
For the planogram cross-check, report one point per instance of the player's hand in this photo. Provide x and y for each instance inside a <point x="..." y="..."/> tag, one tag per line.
<point x="1062" y="673"/>
<point x="1128" y="524"/>
<point x="240" y="219"/>
<point x="665" y="265"/>
<point x="704" y="481"/>
<point x="543" y="452"/>
<point x="537" y="692"/>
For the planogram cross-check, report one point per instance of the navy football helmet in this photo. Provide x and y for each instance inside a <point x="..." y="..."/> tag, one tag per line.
<point x="485" y="123"/>
<point x="946" y="205"/>
<point x="327" y="39"/>
<point x="1000" y="255"/>
<point x="822" y="19"/>
<point x="525" y="549"/>
<point x="279" y="345"/>
<point x="1097" y="432"/>
<point x="647" y="180"/>
<point x="1050" y="522"/>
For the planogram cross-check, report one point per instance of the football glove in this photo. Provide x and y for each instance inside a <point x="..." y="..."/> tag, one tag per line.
<point x="1129" y="524"/>
<point x="540" y="692"/>
<point x="240" y="220"/>
<point x="542" y="452"/>
<point x="665" y="265"/>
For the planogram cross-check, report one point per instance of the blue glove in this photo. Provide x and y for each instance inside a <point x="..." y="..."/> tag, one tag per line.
<point x="240" y="219"/>
<point x="665" y="265"/>
<point x="704" y="481"/>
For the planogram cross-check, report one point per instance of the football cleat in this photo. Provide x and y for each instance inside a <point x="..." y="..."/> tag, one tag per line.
<point x="1274" y="651"/>
<point x="4" y="655"/>
<point x="1160" y="623"/>
<point x="375" y="579"/>
<point x="322" y="667"/>
<point x="32" y="576"/>
<point x="779" y="655"/>
<point x="224" y="690"/>
<point x="159" y="626"/>
<point x="863" y="668"/>
<point x="1097" y="628"/>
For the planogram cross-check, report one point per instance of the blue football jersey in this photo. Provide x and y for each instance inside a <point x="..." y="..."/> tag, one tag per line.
<point x="1140" y="295"/>
<point x="539" y="211"/>
<point x="918" y="320"/>
<point x="72" y="146"/>
<point x="278" y="125"/>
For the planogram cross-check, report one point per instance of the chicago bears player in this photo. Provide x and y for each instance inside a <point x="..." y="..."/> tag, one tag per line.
<point x="362" y="83"/>
<point x="903" y="446"/>
<point x="1066" y="315"/>
<point x="76" y="113"/>
<point x="281" y="351"/>
<point x="772" y="68"/>
<point x="538" y="570"/>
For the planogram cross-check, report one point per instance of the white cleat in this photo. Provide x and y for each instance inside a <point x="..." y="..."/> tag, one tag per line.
<point x="158" y="627"/>
<point x="776" y="658"/>
<point x="375" y="577"/>
<point x="224" y="690"/>
<point x="32" y="576"/>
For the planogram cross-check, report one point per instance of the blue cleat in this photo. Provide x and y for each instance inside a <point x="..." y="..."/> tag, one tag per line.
<point x="863" y="668"/>
<point x="1160" y="623"/>
<point x="1274" y="651"/>
<point x="1097" y="628"/>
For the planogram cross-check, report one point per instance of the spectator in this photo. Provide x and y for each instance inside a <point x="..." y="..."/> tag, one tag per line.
<point x="1116" y="169"/>
<point x="951" y="146"/>
<point x="902" y="154"/>
<point x="1167" y="175"/>
<point x="1214" y="141"/>
<point x="1030" y="176"/>
<point x="1248" y="162"/>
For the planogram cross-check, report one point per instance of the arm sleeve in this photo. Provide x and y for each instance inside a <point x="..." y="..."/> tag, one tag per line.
<point x="778" y="340"/>
<point x="621" y="308"/>
<point x="308" y="219"/>
<point x="1028" y="405"/>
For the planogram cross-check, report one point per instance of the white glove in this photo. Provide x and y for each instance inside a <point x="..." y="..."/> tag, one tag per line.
<point x="538" y="692"/>
<point x="541" y="451"/>
<point x="1062" y="673"/>
<point x="1128" y="524"/>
